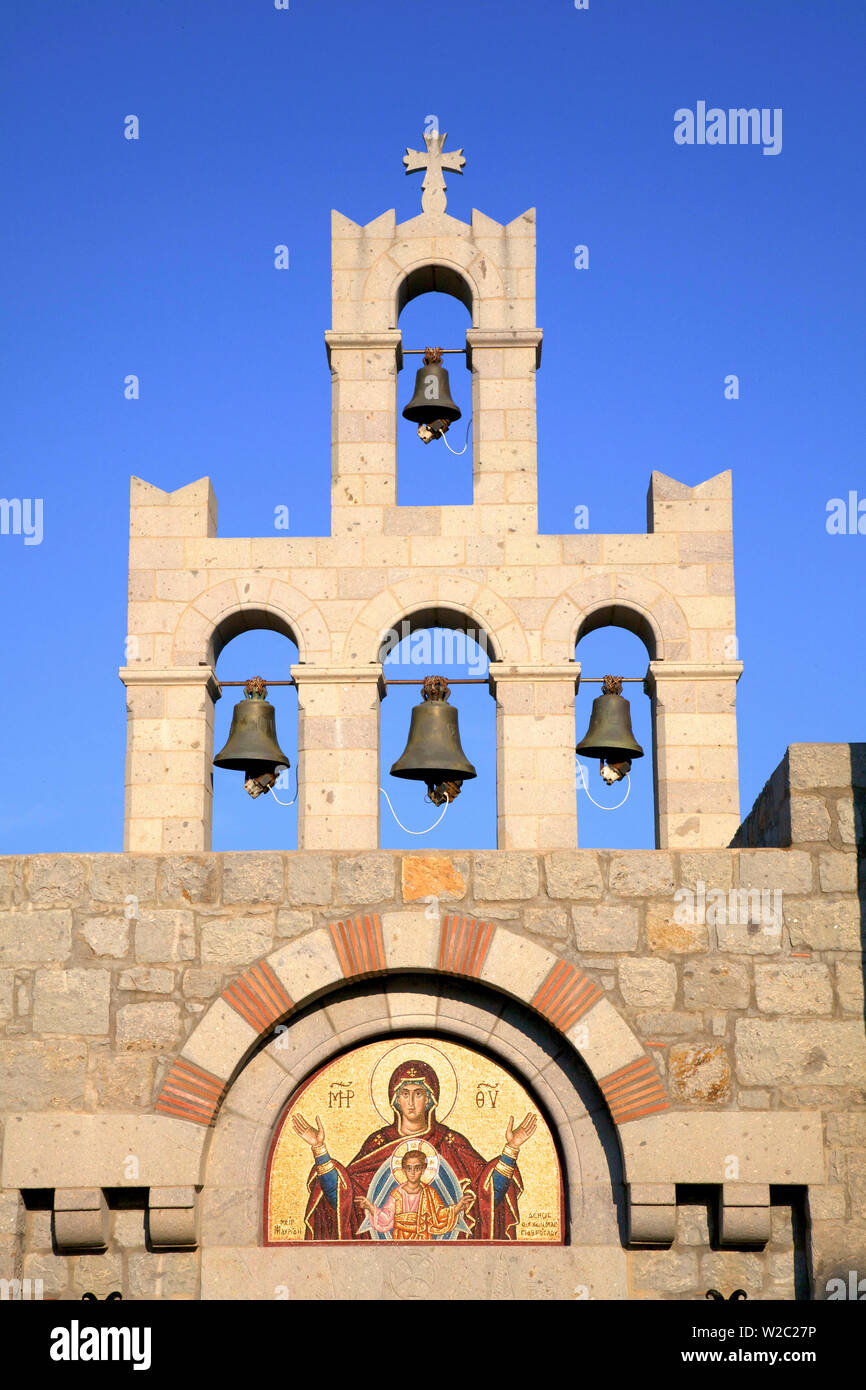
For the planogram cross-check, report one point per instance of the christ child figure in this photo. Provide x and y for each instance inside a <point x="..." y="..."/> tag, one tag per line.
<point x="414" y="1210"/>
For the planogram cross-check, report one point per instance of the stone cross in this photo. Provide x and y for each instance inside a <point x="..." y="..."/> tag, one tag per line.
<point x="434" y="161"/>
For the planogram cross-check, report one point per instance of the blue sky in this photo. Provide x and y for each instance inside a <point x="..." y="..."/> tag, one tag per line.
<point x="155" y="257"/>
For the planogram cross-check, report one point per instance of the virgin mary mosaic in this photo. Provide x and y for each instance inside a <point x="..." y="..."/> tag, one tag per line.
<point x="462" y="1154"/>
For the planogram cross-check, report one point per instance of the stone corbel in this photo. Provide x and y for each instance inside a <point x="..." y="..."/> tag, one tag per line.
<point x="652" y="1213"/>
<point x="744" y="1213"/>
<point x="80" y="1219"/>
<point x="173" y="1218"/>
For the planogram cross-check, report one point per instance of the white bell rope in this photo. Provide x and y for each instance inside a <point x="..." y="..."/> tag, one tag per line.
<point x="405" y="827"/>
<point x="458" y="452"/>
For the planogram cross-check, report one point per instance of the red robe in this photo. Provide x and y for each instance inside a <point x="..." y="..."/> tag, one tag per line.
<point x="486" y="1220"/>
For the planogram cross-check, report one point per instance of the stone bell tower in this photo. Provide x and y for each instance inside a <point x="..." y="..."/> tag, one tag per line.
<point x="482" y="568"/>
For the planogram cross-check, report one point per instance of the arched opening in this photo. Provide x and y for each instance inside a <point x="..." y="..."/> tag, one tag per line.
<point x="443" y="642"/>
<point x="239" y="821"/>
<point x="500" y="1039"/>
<point x="616" y="642"/>
<point x="433" y="304"/>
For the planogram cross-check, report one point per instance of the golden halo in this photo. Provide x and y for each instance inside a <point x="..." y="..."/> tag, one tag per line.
<point x="415" y="1050"/>
<point x="429" y="1152"/>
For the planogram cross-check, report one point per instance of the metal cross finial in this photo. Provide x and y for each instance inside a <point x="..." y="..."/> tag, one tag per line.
<point x="434" y="161"/>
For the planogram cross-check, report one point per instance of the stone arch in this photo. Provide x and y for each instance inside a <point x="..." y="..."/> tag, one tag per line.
<point x="529" y="1049"/>
<point x="435" y="278"/>
<point x="319" y="962"/>
<point x="436" y="600"/>
<point x="411" y="268"/>
<point x="233" y="606"/>
<point x="617" y="600"/>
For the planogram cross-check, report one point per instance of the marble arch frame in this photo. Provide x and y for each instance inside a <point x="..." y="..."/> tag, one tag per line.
<point x="467" y="601"/>
<point x="639" y="605"/>
<point x="559" y="1083"/>
<point x="311" y="966"/>
<point x="227" y="609"/>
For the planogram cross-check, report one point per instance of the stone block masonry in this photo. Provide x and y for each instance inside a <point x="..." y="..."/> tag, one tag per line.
<point x="122" y="974"/>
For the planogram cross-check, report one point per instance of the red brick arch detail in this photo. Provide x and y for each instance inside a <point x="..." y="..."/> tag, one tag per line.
<point x="632" y="1092"/>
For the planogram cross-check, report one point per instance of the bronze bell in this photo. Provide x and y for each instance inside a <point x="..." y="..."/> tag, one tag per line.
<point x="609" y="736"/>
<point x="433" y="753"/>
<point x="252" y="746"/>
<point x="432" y="404"/>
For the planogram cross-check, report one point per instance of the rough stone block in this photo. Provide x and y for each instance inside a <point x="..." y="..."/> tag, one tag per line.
<point x="665" y="933"/>
<point x="823" y="925"/>
<point x="716" y="983"/>
<point x="433" y="876"/>
<point x="114" y="878"/>
<point x="107" y="936"/>
<point x="36" y="1075"/>
<point x="837" y="872"/>
<point x="673" y="1024"/>
<point x="605" y="928"/>
<point x="810" y="820"/>
<point x="713" y="868"/>
<point x="849" y="985"/>
<point x="309" y="879"/>
<point x="827" y="1202"/>
<point x="152" y="1276"/>
<point x="7" y="983"/>
<point x="235" y="941"/>
<point x="814" y="765"/>
<point x="252" y="878"/>
<point x="366" y="878"/>
<point x="551" y="922"/>
<point x="163" y="935"/>
<point x="822" y="1053"/>
<point x="147" y="980"/>
<point x="293" y="923"/>
<point x="71" y="1001"/>
<point x="573" y="874"/>
<point x="789" y="870"/>
<point x="35" y="936"/>
<point x="728" y="1270"/>
<point x="184" y="878"/>
<point x="148" y="1027"/>
<point x="98" y="1274"/>
<point x="648" y="983"/>
<point x="505" y="876"/>
<point x="57" y="879"/>
<point x="122" y="1082"/>
<point x="794" y="987"/>
<point x="700" y="1072"/>
<point x="641" y="874"/>
<point x="668" y="1271"/>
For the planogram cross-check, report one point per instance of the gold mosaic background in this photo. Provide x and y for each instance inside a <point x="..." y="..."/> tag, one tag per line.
<point x="342" y="1095"/>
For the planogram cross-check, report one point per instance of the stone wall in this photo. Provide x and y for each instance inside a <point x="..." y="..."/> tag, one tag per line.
<point x="817" y="795"/>
<point x="733" y="977"/>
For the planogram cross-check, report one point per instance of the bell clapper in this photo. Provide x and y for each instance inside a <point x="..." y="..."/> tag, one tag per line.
<point x="581" y="773"/>
<point x="439" y="792"/>
<point x="614" y="772"/>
